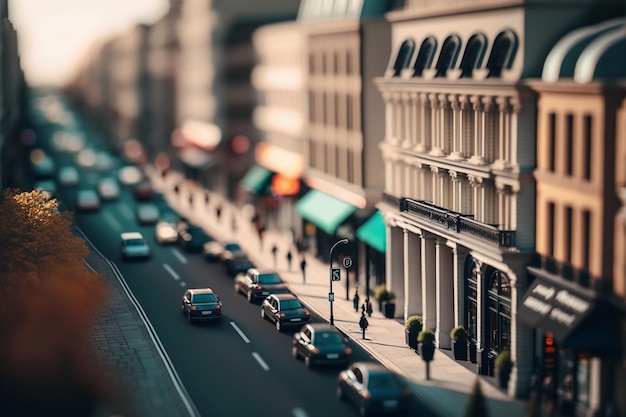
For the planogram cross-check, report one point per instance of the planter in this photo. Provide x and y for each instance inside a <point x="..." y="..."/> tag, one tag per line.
<point x="389" y="310"/>
<point x="411" y="339"/>
<point x="427" y="352"/>
<point x="459" y="349"/>
<point x="502" y="376"/>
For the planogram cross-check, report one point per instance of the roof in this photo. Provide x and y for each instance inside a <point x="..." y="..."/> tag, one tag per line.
<point x="131" y="235"/>
<point x="201" y="290"/>
<point x="286" y="296"/>
<point x="589" y="53"/>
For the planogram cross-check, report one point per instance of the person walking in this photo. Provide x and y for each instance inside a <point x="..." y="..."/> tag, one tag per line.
<point x="368" y="307"/>
<point x="289" y="259"/>
<point x="355" y="300"/>
<point x="363" y="323"/>
<point x="274" y="254"/>
<point x="303" y="269"/>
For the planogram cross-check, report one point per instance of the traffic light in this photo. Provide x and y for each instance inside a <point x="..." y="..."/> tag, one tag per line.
<point x="549" y="352"/>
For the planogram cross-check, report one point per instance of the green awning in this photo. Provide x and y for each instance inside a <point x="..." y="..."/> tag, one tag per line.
<point x="373" y="232"/>
<point x="324" y="211"/>
<point x="257" y="179"/>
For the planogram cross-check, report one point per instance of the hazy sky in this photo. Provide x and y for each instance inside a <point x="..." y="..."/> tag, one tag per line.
<point x="54" y="34"/>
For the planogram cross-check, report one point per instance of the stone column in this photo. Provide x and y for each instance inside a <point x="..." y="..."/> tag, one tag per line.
<point x="459" y="254"/>
<point x="394" y="268"/>
<point x="444" y="294"/>
<point x="407" y="125"/>
<point x="412" y="274"/>
<point x="429" y="281"/>
<point x="423" y="134"/>
<point x="456" y="152"/>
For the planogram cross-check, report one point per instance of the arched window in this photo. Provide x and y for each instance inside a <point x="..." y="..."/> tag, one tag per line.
<point x="474" y="54"/>
<point x="448" y="55"/>
<point x="471" y="298"/>
<point x="498" y="311"/>
<point x="425" y="56"/>
<point x="403" y="59"/>
<point x="503" y="53"/>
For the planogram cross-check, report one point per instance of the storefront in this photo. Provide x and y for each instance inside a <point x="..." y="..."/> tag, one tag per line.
<point x="373" y="237"/>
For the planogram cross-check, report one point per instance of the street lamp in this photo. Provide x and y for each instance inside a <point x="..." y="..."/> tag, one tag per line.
<point x="331" y="296"/>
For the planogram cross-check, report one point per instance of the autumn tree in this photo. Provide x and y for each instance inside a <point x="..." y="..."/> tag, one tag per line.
<point x="48" y="302"/>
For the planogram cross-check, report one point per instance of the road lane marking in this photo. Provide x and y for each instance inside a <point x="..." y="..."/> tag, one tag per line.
<point x="171" y="271"/>
<point x="238" y="330"/>
<point x="126" y="212"/>
<point x="298" y="412"/>
<point x="180" y="256"/>
<point x="260" y="361"/>
<point x="111" y="220"/>
<point x="183" y="284"/>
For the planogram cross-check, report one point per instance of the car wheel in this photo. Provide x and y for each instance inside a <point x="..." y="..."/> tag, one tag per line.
<point x="294" y="352"/>
<point x="250" y="296"/>
<point x="278" y="325"/>
<point x="308" y="362"/>
<point x="339" y="392"/>
<point x="263" y="314"/>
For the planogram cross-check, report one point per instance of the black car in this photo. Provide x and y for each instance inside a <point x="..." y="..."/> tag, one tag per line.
<point x="193" y="238"/>
<point x="320" y="343"/>
<point x="201" y="304"/>
<point x="218" y="251"/>
<point x="238" y="262"/>
<point x="284" y="310"/>
<point x="257" y="284"/>
<point x="373" y="389"/>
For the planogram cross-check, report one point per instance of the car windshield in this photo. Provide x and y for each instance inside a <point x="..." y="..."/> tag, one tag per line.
<point x="327" y="338"/>
<point x="269" y="279"/>
<point x="232" y="247"/>
<point x="135" y="242"/>
<point x="204" y="298"/>
<point x="383" y="381"/>
<point x="290" y="304"/>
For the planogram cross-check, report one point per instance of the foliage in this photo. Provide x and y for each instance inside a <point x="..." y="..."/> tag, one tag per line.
<point x="459" y="334"/>
<point x="503" y="361"/>
<point x="381" y="294"/>
<point x="426" y="337"/>
<point x="413" y="324"/>
<point x="476" y="406"/>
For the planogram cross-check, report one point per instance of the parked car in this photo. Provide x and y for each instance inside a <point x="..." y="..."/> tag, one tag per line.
<point x="320" y="343"/>
<point x="238" y="262"/>
<point x="142" y="191"/>
<point x="108" y="189"/>
<point x="68" y="176"/>
<point x="165" y="232"/>
<point x="201" y="304"/>
<point x="214" y="251"/>
<point x="284" y="310"/>
<point x="373" y="389"/>
<point x="257" y="284"/>
<point x="87" y="200"/>
<point x="147" y="213"/>
<point x="134" y="245"/>
<point x="192" y="238"/>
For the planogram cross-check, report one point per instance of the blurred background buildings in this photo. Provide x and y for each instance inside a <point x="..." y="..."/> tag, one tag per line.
<point x="473" y="152"/>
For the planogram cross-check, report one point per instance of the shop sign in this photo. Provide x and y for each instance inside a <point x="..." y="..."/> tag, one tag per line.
<point x="557" y="304"/>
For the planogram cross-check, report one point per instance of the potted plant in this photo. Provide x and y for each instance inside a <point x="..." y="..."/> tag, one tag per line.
<point x="458" y="337"/>
<point x="381" y="295"/>
<point x="412" y="327"/>
<point x="426" y="347"/>
<point x="503" y="364"/>
<point x="389" y="306"/>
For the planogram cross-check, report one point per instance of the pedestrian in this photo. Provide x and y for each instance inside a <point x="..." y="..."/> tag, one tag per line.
<point x="206" y="198"/>
<point x="218" y="211"/>
<point x="355" y="300"/>
<point x="368" y="307"/>
<point x="289" y="259"/>
<point x="261" y="231"/>
<point x="303" y="269"/>
<point x="274" y="252"/>
<point x="233" y="223"/>
<point x="363" y="323"/>
<point x="190" y="199"/>
<point x="176" y="188"/>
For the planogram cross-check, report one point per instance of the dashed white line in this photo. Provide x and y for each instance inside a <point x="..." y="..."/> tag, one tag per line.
<point x="183" y="284"/>
<point x="238" y="330"/>
<point x="261" y="362"/>
<point x="112" y="220"/>
<point x="180" y="256"/>
<point x="171" y="271"/>
<point x="298" y="412"/>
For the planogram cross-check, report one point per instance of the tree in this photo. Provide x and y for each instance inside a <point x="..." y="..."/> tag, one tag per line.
<point x="476" y="406"/>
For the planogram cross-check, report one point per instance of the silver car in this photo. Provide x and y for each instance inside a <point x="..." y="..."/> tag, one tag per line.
<point x="134" y="246"/>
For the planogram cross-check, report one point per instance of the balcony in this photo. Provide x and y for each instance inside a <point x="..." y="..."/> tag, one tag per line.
<point x="457" y="222"/>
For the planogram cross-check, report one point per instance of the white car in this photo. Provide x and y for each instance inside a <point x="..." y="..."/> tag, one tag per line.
<point x="108" y="189"/>
<point x="165" y="232"/>
<point x="134" y="246"/>
<point x="87" y="200"/>
<point x="147" y="213"/>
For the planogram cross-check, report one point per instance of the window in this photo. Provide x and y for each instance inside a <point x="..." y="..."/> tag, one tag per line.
<point x="552" y="139"/>
<point x="502" y="54"/>
<point x="448" y="55"/>
<point x="425" y="56"/>
<point x="586" y="238"/>
<point x="471" y="298"/>
<point x="403" y="59"/>
<point x="551" y="226"/>
<point x="498" y="310"/>
<point x="569" y="144"/>
<point x="473" y="55"/>
<point x="569" y="218"/>
<point x="588" y="122"/>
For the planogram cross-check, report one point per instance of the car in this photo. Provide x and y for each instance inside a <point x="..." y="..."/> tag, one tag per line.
<point x="373" y="389"/>
<point x="236" y="263"/>
<point x="192" y="238"/>
<point x="134" y="245"/>
<point x="215" y="250"/>
<point x="130" y="175"/>
<point x="68" y="176"/>
<point x="165" y="232"/>
<point x="320" y="344"/>
<point x="284" y="310"/>
<point x="108" y="189"/>
<point x="257" y="284"/>
<point x="142" y="191"/>
<point x="147" y="213"/>
<point x="46" y="187"/>
<point x="201" y="304"/>
<point x="87" y="200"/>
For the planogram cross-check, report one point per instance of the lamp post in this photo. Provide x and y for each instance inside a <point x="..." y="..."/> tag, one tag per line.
<point x="330" y="276"/>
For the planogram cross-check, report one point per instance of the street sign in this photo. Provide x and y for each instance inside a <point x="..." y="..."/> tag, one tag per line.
<point x="347" y="262"/>
<point x="331" y="296"/>
<point x="335" y="274"/>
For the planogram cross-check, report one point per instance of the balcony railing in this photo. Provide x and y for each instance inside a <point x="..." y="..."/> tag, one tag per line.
<point x="459" y="223"/>
<point x="392" y="201"/>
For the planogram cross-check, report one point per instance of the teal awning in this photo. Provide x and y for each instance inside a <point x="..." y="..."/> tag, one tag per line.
<point x="373" y="232"/>
<point x="257" y="179"/>
<point x="323" y="210"/>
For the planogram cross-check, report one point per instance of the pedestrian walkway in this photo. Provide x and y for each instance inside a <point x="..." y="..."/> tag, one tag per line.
<point x="450" y="383"/>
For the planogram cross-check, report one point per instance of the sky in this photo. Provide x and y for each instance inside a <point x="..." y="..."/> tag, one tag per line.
<point x="53" y="35"/>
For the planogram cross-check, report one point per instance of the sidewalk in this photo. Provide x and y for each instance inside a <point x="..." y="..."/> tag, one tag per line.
<point x="450" y="382"/>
